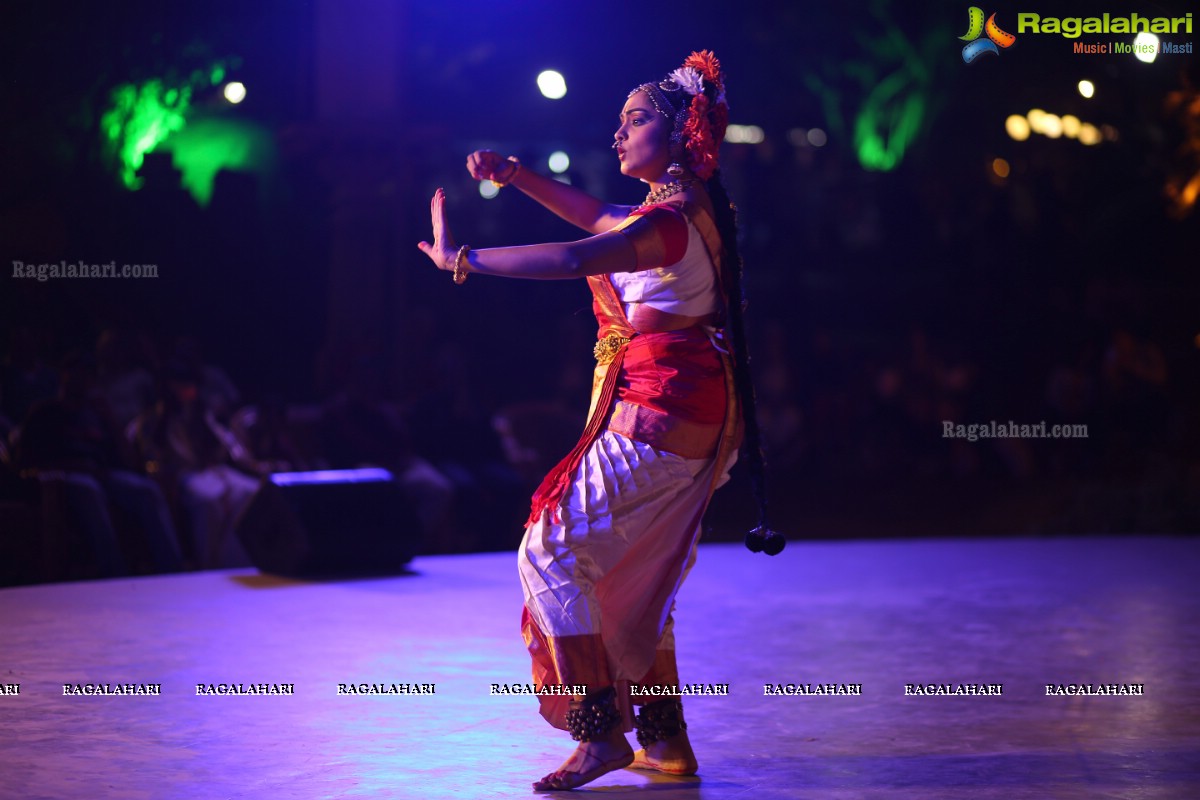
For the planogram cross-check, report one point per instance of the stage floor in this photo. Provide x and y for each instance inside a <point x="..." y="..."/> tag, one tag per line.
<point x="1023" y="613"/>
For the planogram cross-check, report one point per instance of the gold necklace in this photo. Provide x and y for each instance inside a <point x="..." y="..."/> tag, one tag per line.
<point x="663" y="192"/>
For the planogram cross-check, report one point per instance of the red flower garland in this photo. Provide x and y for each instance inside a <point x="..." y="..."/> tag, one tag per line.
<point x="706" y="64"/>
<point x="701" y="147"/>
<point x="706" y="123"/>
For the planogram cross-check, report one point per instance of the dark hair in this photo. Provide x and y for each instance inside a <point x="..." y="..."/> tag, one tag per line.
<point x="762" y="538"/>
<point x="725" y="214"/>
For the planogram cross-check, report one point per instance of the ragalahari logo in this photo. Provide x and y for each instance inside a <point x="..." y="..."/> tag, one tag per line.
<point x="976" y="46"/>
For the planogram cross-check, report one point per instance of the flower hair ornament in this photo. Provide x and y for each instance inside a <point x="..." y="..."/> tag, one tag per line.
<point x="693" y="98"/>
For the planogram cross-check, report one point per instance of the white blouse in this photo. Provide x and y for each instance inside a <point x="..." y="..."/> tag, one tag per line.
<point x="687" y="287"/>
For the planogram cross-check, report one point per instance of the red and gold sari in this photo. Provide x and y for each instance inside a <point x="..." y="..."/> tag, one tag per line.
<point x="614" y="526"/>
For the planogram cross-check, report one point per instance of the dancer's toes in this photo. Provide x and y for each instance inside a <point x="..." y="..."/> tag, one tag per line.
<point x="588" y="762"/>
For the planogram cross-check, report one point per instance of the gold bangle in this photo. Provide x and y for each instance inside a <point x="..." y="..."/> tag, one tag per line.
<point x="511" y="175"/>
<point x="460" y="270"/>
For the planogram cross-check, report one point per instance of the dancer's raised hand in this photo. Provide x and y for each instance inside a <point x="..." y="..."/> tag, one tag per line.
<point x="443" y="251"/>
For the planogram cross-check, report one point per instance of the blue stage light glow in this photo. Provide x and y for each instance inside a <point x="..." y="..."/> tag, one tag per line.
<point x="367" y="475"/>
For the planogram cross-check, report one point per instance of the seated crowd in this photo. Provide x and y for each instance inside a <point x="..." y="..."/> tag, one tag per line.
<point x="115" y="463"/>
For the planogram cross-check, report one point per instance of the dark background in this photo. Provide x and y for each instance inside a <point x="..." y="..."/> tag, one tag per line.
<point x="882" y="302"/>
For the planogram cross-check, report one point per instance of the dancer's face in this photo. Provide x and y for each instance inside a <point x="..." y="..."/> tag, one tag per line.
<point x="643" y="140"/>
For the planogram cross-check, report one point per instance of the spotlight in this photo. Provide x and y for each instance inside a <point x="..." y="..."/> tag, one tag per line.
<point x="744" y="134"/>
<point x="1089" y="134"/>
<point x="235" y="92"/>
<point x="1017" y="127"/>
<point x="1087" y="88"/>
<point x="559" y="161"/>
<point x="1052" y="126"/>
<point x="1145" y="47"/>
<point x="552" y="84"/>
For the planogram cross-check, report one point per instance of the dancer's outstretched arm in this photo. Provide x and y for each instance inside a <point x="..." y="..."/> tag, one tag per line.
<point x="574" y="205"/>
<point x="596" y="255"/>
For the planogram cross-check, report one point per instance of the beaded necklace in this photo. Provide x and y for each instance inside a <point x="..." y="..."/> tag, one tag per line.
<point x="665" y="191"/>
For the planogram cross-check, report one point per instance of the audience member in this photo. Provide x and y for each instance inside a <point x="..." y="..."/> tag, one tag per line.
<point x="127" y="386"/>
<point x="216" y="389"/>
<point x="71" y="438"/>
<point x="193" y="455"/>
<point x="25" y="377"/>
<point x="357" y="429"/>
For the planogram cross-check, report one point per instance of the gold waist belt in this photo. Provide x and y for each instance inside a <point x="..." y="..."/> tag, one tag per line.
<point x="606" y="349"/>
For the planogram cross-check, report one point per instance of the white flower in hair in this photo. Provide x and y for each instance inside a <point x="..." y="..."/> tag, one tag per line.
<point x="688" y="79"/>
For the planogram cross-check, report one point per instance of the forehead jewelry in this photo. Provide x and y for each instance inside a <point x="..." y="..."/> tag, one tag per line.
<point x="657" y="92"/>
<point x="657" y="96"/>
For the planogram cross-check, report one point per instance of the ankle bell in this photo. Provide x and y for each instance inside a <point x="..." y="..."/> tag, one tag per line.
<point x="659" y="720"/>
<point x="594" y="716"/>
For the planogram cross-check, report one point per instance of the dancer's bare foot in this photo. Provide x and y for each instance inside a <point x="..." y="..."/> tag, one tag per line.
<point x="674" y="756"/>
<point x="589" y="761"/>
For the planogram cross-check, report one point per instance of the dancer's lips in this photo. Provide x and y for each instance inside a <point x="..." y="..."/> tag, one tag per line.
<point x="621" y="153"/>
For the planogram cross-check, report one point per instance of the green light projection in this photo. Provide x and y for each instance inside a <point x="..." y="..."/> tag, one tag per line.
<point x="210" y="144"/>
<point x="158" y="114"/>
<point x="888" y="121"/>
<point x="890" y="90"/>
<point x="138" y="119"/>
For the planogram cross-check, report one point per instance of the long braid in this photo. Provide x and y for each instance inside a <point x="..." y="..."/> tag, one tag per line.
<point x="699" y="121"/>
<point x="762" y="538"/>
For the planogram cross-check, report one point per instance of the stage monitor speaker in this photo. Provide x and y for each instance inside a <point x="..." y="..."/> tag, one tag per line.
<point x="330" y="523"/>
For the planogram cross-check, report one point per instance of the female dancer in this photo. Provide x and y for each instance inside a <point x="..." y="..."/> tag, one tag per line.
<point x="613" y="528"/>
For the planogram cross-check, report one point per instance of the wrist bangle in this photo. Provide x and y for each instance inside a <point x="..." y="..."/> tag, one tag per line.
<point x="460" y="268"/>
<point x="512" y="173"/>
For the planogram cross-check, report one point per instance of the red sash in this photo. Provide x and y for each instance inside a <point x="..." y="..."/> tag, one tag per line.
<point x="670" y="386"/>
